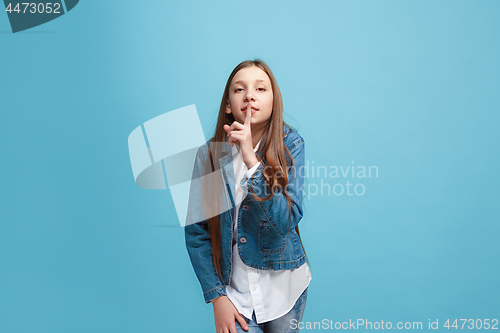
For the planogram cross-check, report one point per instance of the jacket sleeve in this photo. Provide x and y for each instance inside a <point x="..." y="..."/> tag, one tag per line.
<point x="276" y="209"/>
<point x="199" y="247"/>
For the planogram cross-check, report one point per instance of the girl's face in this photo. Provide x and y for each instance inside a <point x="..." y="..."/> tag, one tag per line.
<point x="251" y="85"/>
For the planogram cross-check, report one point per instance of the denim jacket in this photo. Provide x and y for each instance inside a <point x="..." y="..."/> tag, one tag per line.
<point x="266" y="237"/>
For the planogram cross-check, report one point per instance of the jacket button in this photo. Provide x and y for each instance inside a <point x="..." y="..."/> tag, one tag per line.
<point x="245" y="207"/>
<point x="243" y="240"/>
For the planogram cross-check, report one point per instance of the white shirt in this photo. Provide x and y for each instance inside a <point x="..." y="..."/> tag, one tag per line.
<point x="271" y="294"/>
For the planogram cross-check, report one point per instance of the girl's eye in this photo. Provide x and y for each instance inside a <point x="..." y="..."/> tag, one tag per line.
<point x="237" y="89"/>
<point x="261" y="89"/>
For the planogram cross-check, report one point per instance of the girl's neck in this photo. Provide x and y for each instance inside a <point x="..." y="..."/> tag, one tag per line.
<point x="257" y="135"/>
<point x="255" y="141"/>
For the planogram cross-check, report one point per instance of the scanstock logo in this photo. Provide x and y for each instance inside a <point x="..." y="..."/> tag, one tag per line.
<point x="26" y="15"/>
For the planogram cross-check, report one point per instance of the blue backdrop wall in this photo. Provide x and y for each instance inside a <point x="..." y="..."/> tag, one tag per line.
<point x="410" y="88"/>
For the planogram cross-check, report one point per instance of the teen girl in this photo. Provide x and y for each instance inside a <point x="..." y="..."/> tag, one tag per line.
<point x="249" y="259"/>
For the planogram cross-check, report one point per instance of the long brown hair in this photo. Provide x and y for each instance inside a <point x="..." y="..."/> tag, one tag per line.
<point x="272" y="152"/>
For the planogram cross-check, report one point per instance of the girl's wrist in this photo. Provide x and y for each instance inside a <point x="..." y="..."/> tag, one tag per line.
<point x="215" y="300"/>
<point x="252" y="163"/>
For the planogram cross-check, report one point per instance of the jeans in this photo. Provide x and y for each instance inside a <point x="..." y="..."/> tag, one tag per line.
<point x="279" y="325"/>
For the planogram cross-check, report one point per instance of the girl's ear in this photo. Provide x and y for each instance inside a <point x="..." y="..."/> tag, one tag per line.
<point x="228" y="107"/>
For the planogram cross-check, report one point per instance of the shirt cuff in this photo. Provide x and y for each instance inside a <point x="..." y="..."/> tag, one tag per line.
<point x="251" y="171"/>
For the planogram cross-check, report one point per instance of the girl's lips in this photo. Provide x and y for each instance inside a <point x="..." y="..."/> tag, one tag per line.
<point x="253" y="109"/>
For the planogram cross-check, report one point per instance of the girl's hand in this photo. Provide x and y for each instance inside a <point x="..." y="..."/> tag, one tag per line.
<point x="243" y="138"/>
<point x="225" y="314"/>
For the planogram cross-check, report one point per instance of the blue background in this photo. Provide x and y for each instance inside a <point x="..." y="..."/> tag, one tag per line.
<point x="411" y="87"/>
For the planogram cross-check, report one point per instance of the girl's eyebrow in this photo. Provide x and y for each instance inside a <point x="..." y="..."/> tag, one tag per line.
<point x="258" y="80"/>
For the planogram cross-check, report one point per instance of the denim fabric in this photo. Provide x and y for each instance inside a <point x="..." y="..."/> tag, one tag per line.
<point x="266" y="231"/>
<point x="283" y="324"/>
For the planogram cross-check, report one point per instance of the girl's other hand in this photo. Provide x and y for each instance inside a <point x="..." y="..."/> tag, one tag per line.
<point x="243" y="137"/>
<point x="225" y="314"/>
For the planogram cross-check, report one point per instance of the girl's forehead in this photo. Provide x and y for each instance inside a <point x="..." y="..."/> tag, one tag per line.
<point x="249" y="74"/>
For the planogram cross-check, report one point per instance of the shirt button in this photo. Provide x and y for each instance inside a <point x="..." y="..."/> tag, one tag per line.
<point x="245" y="207"/>
<point x="254" y="288"/>
<point x="243" y="240"/>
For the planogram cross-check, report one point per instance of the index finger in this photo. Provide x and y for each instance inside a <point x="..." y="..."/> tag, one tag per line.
<point x="248" y="115"/>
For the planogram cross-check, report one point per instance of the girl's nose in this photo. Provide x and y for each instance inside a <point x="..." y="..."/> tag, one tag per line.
<point x="249" y="97"/>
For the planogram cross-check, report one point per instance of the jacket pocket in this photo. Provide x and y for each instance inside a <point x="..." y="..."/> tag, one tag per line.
<point x="270" y="241"/>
